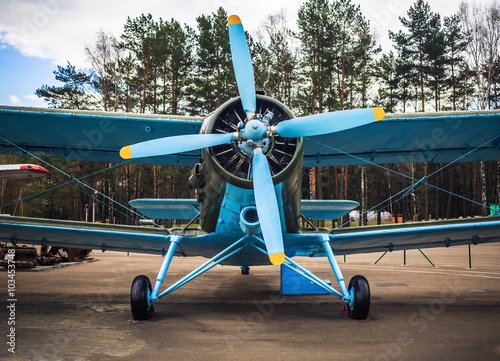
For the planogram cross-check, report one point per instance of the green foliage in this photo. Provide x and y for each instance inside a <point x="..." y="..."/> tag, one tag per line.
<point x="72" y="94"/>
<point x="214" y="81"/>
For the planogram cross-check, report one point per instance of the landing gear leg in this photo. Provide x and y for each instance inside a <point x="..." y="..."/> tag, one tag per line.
<point x="357" y="294"/>
<point x="245" y="270"/>
<point x="142" y="296"/>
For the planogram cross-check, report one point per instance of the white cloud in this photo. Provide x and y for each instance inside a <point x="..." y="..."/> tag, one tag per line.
<point x="33" y="100"/>
<point x="14" y="99"/>
<point x="59" y="29"/>
<point x="31" y="97"/>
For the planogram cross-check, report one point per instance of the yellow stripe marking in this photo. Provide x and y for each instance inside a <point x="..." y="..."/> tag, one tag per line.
<point x="379" y="114"/>
<point x="126" y="152"/>
<point x="233" y="19"/>
<point x="277" y="258"/>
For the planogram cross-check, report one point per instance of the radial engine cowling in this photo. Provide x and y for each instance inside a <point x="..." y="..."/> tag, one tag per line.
<point x="233" y="160"/>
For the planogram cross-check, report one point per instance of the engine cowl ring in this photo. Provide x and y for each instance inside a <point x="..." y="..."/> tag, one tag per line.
<point x="234" y="159"/>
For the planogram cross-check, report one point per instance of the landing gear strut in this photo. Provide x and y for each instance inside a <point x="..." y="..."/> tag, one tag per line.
<point x="356" y="295"/>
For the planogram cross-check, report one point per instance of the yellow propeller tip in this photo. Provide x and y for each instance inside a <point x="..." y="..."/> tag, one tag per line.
<point x="277" y="258"/>
<point x="379" y="114"/>
<point x="233" y="19"/>
<point x="126" y="152"/>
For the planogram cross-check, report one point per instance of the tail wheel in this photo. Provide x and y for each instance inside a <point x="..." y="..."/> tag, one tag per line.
<point x="139" y="298"/>
<point x="360" y="306"/>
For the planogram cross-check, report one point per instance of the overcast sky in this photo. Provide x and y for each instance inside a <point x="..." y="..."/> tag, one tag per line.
<point x="35" y="35"/>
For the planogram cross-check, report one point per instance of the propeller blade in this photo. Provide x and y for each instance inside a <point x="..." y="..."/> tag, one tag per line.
<point x="242" y="64"/>
<point x="325" y="123"/>
<point x="176" y="144"/>
<point x="267" y="207"/>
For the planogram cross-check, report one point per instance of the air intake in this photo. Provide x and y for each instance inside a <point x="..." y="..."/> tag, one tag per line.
<point x="249" y="221"/>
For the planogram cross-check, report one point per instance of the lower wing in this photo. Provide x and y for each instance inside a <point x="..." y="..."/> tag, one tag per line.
<point x="196" y="243"/>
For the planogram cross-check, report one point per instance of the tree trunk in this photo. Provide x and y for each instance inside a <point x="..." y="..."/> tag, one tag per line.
<point x="426" y="195"/>
<point x="312" y="183"/>
<point x="422" y="75"/>
<point x="484" y="199"/>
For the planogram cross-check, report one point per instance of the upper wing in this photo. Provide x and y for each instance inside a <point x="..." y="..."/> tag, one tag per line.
<point x="399" y="237"/>
<point x="90" y="136"/>
<point x="410" y="138"/>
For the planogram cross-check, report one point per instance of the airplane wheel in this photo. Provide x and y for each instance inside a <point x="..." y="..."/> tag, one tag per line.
<point x="361" y="305"/>
<point x="141" y="286"/>
<point x="245" y="270"/>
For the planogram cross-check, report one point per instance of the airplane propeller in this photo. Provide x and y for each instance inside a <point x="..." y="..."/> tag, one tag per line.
<point x="254" y="132"/>
<point x="242" y="64"/>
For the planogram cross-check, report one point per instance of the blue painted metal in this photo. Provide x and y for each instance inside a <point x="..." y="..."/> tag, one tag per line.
<point x="295" y="267"/>
<point x="413" y="186"/>
<point x="292" y="283"/>
<point x="410" y="138"/>
<point x="325" y="240"/>
<point x="151" y="240"/>
<point x="174" y="241"/>
<point x="267" y="204"/>
<point x="400" y="138"/>
<point x="91" y="136"/>
<point x="254" y="130"/>
<point x="242" y="64"/>
<point x="217" y="259"/>
<point x="250" y="227"/>
<point x="167" y="208"/>
<point x="325" y="123"/>
<point x="178" y="144"/>
<point x="326" y="209"/>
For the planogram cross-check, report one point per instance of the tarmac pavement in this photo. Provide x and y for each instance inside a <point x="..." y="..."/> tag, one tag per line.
<point x="418" y="312"/>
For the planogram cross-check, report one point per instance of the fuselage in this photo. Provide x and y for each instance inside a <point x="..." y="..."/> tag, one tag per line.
<point x="224" y="177"/>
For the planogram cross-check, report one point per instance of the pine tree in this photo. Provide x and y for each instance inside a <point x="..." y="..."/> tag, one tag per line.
<point x="435" y="60"/>
<point x="138" y="38"/>
<point x="317" y="35"/>
<point x="389" y="82"/>
<point x="173" y="55"/>
<point x="413" y="42"/>
<point x="456" y="43"/>
<point x="214" y="82"/>
<point x="73" y="94"/>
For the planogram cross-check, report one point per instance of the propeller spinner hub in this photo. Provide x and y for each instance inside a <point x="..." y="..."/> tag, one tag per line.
<point x="254" y="130"/>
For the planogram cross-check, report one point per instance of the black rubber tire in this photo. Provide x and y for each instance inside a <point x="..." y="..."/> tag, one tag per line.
<point x="361" y="305"/>
<point x="139" y="298"/>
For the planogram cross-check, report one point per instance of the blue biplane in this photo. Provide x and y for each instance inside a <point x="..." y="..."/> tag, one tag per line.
<point x="248" y="157"/>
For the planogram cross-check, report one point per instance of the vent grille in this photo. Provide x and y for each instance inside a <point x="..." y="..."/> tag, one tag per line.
<point x="251" y="215"/>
